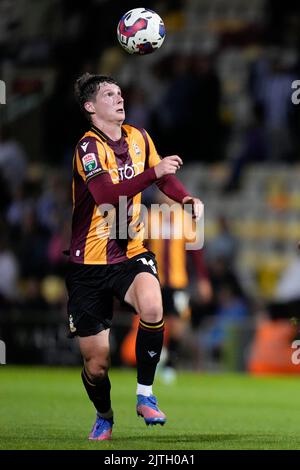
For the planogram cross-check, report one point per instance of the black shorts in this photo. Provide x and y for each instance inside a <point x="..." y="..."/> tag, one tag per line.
<point x="91" y="289"/>
<point x="175" y="301"/>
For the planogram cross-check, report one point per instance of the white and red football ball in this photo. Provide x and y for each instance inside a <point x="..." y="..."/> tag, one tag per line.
<point x="141" y="31"/>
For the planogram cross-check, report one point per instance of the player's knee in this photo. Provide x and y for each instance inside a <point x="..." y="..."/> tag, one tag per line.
<point x="152" y="313"/>
<point x="96" y="370"/>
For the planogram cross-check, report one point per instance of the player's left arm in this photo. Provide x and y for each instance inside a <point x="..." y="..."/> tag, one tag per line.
<point x="172" y="187"/>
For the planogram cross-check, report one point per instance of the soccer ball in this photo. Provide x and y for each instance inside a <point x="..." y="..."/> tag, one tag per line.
<point x="141" y="31"/>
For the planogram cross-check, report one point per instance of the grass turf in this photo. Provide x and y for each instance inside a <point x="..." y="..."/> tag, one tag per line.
<point x="46" y="408"/>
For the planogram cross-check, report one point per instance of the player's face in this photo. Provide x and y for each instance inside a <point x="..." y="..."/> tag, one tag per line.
<point x="109" y="105"/>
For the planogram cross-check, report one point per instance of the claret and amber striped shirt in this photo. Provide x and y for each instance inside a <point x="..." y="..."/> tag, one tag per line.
<point x="170" y="250"/>
<point x="96" y="154"/>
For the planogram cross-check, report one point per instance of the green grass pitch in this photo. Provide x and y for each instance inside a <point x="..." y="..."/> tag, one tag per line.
<point x="46" y="408"/>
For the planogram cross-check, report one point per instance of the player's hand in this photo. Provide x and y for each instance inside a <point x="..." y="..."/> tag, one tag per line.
<point x="168" y="166"/>
<point x="198" y="206"/>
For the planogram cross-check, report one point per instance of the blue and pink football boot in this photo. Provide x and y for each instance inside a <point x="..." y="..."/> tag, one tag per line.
<point x="102" y="429"/>
<point x="148" y="409"/>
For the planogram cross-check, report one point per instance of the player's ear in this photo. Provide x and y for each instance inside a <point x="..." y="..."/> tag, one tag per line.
<point x="89" y="107"/>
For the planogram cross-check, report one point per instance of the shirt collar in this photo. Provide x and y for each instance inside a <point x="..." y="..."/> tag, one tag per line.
<point x="105" y="137"/>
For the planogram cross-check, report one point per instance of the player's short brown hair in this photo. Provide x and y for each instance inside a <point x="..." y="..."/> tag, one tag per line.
<point x="86" y="88"/>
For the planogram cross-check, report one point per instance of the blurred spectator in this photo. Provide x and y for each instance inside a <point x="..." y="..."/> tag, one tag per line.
<point x="282" y="21"/>
<point x="254" y="148"/>
<point x="52" y="205"/>
<point x="288" y="287"/>
<point x="231" y="310"/>
<point x="4" y="195"/>
<point x="172" y="115"/>
<point x="32" y="246"/>
<point x="22" y="201"/>
<point x="59" y="242"/>
<point x="9" y="272"/>
<point x="272" y="77"/>
<point x="54" y="292"/>
<point x="13" y="161"/>
<point x="32" y="299"/>
<point x="228" y="297"/>
<point x="221" y="273"/>
<point x="137" y="113"/>
<point x="224" y="245"/>
<point x="191" y="107"/>
<point x="204" y="104"/>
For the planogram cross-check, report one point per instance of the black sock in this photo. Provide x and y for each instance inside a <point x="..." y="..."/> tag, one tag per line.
<point x="98" y="392"/>
<point x="148" y="347"/>
<point x="173" y="353"/>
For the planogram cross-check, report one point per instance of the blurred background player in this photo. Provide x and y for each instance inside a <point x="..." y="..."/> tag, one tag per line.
<point x="168" y="237"/>
<point x="177" y="267"/>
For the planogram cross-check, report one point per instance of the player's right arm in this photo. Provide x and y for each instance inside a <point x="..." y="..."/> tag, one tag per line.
<point x="93" y="169"/>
